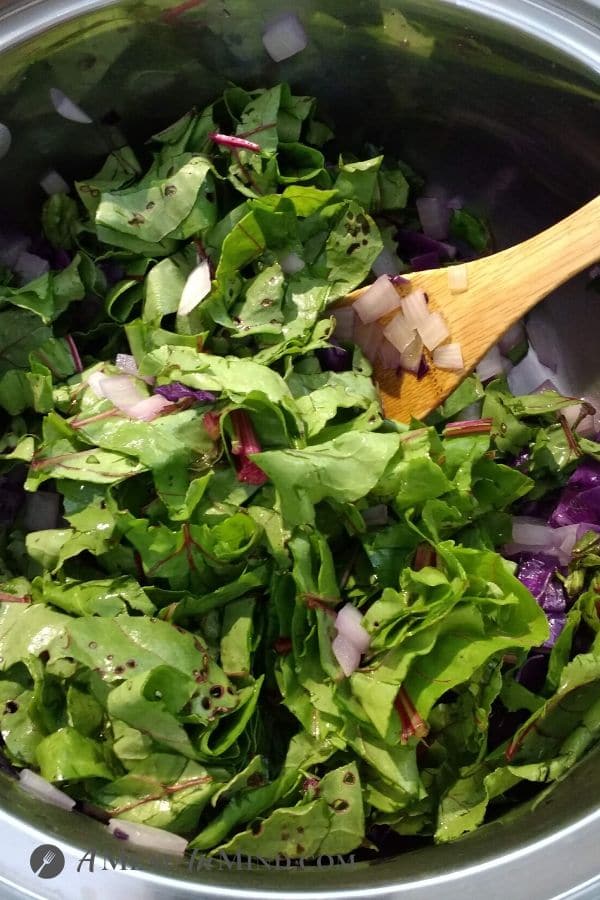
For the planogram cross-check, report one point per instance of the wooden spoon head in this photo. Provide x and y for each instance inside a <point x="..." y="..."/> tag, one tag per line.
<point x="403" y="395"/>
<point x="500" y="289"/>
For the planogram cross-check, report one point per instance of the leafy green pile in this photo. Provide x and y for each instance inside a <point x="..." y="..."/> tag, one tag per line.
<point x="166" y="651"/>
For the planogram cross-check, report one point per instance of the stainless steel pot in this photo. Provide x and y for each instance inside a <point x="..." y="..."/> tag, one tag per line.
<point x="500" y="101"/>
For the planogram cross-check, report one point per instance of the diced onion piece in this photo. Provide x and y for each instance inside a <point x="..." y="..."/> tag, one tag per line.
<point x="491" y="365"/>
<point x="368" y="338"/>
<point x="54" y="183"/>
<point x="410" y="359"/>
<point x="123" y="391"/>
<point x="415" y="309"/>
<point x="449" y="357"/>
<point x="95" y="382"/>
<point x="378" y="300"/>
<point x="66" y="108"/>
<point x="284" y="38"/>
<point x="41" y="511"/>
<point x="433" y="331"/>
<point x="196" y="288"/>
<point x="346" y="653"/>
<point x="30" y="266"/>
<point x="386" y="263"/>
<point x="434" y="217"/>
<point x="148" y="836"/>
<point x="5" y="139"/>
<point x="586" y="426"/>
<point x="534" y="534"/>
<point x="149" y="408"/>
<point x="398" y="333"/>
<point x="458" y="279"/>
<point x="529" y="374"/>
<point x="126" y="363"/>
<point x="388" y="356"/>
<point x="512" y="338"/>
<point x="38" y="787"/>
<point x="348" y="623"/>
<point x="291" y="263"/>
<point x="543" y="339"/>
<point x="344" y="323"/>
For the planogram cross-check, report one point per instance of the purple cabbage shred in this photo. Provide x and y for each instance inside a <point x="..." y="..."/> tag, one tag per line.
<point x="178" y="391"/>
<point x="335" y="358"/>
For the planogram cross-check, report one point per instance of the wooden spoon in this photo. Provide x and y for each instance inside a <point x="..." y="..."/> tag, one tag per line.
<point x="500" y="289"/>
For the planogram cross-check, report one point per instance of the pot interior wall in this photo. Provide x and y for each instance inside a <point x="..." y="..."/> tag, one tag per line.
<point x="508" y="123"/>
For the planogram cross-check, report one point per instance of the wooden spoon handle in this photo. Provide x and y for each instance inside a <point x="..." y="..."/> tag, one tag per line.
<point x="530" y="271"/>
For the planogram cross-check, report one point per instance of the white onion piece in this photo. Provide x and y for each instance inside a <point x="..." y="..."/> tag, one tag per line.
<point x="449" y="357"/>
<point x="458" y="279"/>
<point x="95" y="381"/>
<point x="126" y="363"/>
<point x="291" y="263"/>
<point x="433" y="331"/>
<point x="148" y="836"/>
<point x="54" y="183"/>
<point x="41" y="511"/>
<point x="512" y="338"/>
<point x="344" y="323"/>
<point x="386" y="264"/>
<point x="66" y="108"/>
<point x="586" y="426"/>
<point x="434" y="216"/>
<point x="491" y="365"/>
<point x="398" y="333"/>
<point x="450" y="249"/>
<point x="149" y="408"/>
<point x="534" y="534"/>
<point x="543" y="339"/>
<point x="30" y="266"/>
<point x="368" y="338"/>
<point x="38" y="787"/>
<point x="415" y="309"/>
<point x="346" y="653"/>
<point x="410" y="359"/>
<point x="123" y="391"/>
<point x="284" y="38"/>
<point x="529" y="374"/>
<point x="196" y="288"/>
<point x="388" y="356"/>
<point x="5" y="139"/>
<point x="569" y="535"/>
<point x="348" y="623"/>
<point x="378" y="300"/>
